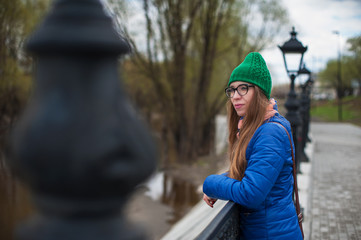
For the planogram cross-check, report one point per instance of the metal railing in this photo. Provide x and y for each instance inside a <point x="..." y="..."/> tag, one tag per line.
<point x="226" y="225"/>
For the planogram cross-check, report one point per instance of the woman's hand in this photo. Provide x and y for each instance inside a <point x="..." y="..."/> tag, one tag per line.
<point x="209" y="201"/>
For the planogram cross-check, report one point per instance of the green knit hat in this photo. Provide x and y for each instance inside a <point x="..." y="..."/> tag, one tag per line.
<point x="253" y="70"/>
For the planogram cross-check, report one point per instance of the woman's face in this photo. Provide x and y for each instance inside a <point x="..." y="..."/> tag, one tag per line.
<point x="241" y="102"/>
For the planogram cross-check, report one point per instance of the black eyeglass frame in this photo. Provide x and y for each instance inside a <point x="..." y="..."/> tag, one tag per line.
<point x="236" y="89"/>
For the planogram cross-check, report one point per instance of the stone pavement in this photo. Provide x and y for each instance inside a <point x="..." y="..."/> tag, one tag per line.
<point x="334" y="210"/>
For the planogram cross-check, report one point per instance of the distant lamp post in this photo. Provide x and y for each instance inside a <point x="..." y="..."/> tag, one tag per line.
<point x="304" y="70"/>
<point x="339" y="81"/>
<point x="293" y="51"/>
<point x="305" y="109"/>
<point x="309" y="84"/>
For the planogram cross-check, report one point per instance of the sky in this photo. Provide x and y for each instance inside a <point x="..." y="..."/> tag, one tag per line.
<point x="315" y="21"/>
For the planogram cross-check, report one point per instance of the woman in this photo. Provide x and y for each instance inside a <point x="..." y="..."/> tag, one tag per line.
<point x="260" y="174"/>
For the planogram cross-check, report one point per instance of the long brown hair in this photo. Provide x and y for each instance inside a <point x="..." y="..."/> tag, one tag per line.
<point x="251" y="121"/>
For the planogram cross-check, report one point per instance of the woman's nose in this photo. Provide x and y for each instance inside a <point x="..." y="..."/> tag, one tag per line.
<point x="236" y="94"/>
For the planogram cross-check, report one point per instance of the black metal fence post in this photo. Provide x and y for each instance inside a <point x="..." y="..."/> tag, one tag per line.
<point x="309" y="84"/>
<point x="292" y="105"/>
<point x="304" y="109"/>
<point x="79" y="146"/>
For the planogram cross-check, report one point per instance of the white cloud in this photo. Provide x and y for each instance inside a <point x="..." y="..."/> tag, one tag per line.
<point x="315" y="22"/>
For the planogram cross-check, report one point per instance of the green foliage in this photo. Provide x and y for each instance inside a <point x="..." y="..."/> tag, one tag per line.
<point x="328" y="110"/>
<point x="350" y="68"/>
<point x="328" y="77"/>
<point x="178" y="73"/>
<point x="17" y="19"/>
<point x="355" y="59"/>
<point x="355" y="46"/>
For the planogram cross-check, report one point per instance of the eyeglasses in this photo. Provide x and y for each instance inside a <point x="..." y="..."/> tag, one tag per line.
<point x="242" y="90"/>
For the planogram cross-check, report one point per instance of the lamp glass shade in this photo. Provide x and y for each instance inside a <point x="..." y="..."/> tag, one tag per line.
<point x="293" y="51"/>
<point x="293" y="62"/>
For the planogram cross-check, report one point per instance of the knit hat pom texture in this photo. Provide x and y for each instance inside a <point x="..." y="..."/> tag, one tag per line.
<point x="253" y="70"/>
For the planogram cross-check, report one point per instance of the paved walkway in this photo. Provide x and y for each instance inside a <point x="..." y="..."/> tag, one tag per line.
<point x="335" y="190"/>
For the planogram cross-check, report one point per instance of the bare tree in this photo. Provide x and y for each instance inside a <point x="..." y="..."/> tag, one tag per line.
<point x="189" y="50"/>
<point x="17" y="20"/>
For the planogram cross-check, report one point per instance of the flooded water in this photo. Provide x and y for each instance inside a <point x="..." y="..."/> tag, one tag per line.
<point x="15" y="203"/>
<point x="176" y="193"/>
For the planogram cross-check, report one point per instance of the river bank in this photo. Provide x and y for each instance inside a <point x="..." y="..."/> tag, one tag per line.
<point x="156" y="210"/>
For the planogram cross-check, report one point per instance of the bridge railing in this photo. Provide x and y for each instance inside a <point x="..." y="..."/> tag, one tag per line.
<point x="226" y="225"/>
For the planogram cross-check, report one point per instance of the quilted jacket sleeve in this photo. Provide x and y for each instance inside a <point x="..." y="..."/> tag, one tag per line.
<point x="265" y="161"/>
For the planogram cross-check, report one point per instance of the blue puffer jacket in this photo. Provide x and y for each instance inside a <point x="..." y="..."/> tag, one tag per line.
<point x="265" y="192"/>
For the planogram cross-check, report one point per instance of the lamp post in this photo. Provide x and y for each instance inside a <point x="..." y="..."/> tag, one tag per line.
<point x="293" y="51"/>
<point x="304" y="110"/>
<point x="339" y="81"/>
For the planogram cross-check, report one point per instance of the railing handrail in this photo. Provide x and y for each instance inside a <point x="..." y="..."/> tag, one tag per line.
<point x="225" y="225"/>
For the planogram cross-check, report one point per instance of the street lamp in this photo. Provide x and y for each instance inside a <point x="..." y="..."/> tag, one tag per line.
<point x="339" y="81"/>
<point x="304" y="70"/>
<point x="293" y="51"/>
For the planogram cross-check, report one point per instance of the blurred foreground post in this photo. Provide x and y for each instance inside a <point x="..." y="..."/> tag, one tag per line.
<point x="79" y="146"/>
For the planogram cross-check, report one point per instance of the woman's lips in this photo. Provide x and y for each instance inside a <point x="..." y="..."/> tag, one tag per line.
<point x="238" y="106"/>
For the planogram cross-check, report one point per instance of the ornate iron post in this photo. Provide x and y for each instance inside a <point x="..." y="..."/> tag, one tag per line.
<point x="309" y="84"/>
<point x="292" y="105"/>
<point x="295" y="48"/>
<point x="304" y="111"/>
<point x="79" y="147"/>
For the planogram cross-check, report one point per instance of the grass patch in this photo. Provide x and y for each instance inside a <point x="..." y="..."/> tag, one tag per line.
<point x="328" y="110"/>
